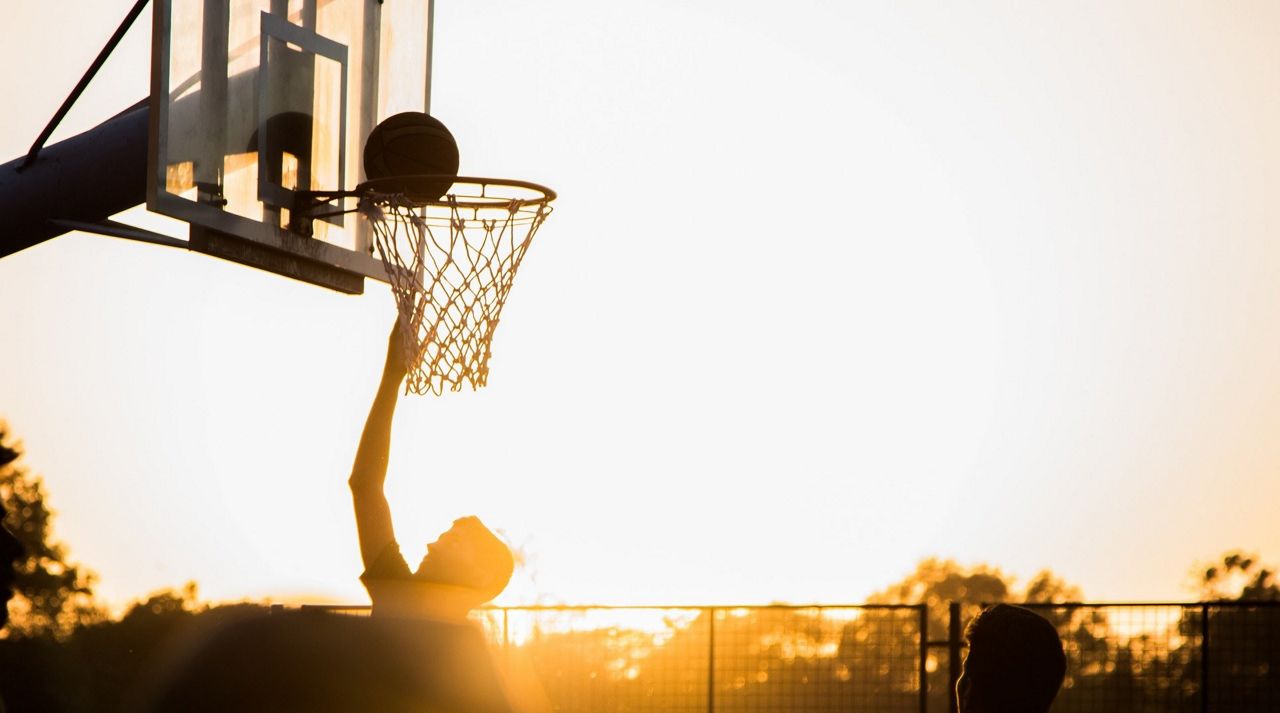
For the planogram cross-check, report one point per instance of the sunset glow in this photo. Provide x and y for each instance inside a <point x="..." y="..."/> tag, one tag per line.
<point x="829" y="288"/>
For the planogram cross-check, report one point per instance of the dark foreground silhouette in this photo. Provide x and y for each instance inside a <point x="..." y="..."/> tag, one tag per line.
<point x="328" y="663"/>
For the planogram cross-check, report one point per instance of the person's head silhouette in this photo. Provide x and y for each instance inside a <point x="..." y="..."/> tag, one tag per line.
<point x="1015" y="663"/>
<point x="468" y="555"/>
<point x="11" y="551"/>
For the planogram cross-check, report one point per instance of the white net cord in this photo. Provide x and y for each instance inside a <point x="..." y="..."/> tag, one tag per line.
<point x="450" y="269"/>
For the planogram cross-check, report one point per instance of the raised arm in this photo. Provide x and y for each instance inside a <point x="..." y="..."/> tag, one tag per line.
<point x="373" y="515"/>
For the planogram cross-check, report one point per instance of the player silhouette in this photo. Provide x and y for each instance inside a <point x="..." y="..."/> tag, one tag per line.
<point x="464" y="568"/>
<point x="1015" y="663"/>
<point x="417" y="653"/>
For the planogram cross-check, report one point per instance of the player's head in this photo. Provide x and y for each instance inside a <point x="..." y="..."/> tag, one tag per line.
<point x="10" y="552"/>
<point x="469" y="555"/>
<point x="1015" y="663"/>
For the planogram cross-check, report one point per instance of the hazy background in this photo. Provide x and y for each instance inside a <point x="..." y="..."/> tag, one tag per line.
<point x="830" y="287"/>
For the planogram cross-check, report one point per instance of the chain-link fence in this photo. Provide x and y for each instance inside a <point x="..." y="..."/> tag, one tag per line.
<point x="716" y="659"/>
<point x="1199" y="657"/>
<point x="1202" y="657"/>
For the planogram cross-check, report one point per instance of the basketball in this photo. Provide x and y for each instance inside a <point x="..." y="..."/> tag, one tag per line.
<point x="408" y="145"/>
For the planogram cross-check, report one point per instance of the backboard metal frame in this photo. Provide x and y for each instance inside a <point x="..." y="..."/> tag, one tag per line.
<point x="280" y="30"/>
<point x="267" y="243"/>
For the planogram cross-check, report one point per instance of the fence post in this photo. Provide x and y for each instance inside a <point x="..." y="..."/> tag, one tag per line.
<point x="1204" y="657"/>
<point x="711" y="660"/>
<point x="953" y="656"/>
<point x="924" y="658"/>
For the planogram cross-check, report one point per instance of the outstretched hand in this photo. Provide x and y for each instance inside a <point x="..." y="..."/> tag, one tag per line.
<point x="397" y="364"/>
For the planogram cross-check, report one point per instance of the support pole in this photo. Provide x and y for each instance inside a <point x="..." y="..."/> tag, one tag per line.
<point x="953" y="663"/>
<point x="86" y="178"/>
<point x="924" y="658"/>
<point x="1204" y="657"/>
<point x="70" y="101"/>
<point x="711" y="660"/>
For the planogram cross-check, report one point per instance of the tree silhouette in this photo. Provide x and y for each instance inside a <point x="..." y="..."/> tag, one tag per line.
<point x="1243" y="641"/>
<point x="1238" y="575"/>
<point x="53" y="595"/>
<point x="936" y="583"/>
<point x="100" y="666"/>
<point x="939" y="582"/>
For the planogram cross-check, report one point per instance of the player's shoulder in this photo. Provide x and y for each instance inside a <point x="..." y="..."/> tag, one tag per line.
<point x="388" y="565"/>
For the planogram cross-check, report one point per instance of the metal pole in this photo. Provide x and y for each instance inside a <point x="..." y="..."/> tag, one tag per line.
<point x="711" y="660"/>
<point x="924" y="658"/>
<point x="86" y="179"/>
<point x="1204" y="657"/>
<point x="34" y="152"/>
<point x="431" y="48"/>
<point x="212" y="137"/>
<point x="953" y="656"/>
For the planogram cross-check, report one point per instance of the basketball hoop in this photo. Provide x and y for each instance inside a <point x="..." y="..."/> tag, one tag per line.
<point x="451" y="263"/>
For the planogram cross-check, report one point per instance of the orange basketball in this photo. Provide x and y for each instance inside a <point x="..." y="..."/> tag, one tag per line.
<point x="405" y="148"/>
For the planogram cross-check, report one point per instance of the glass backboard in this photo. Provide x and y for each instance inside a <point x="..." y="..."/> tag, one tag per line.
<point x="254" y="100"/>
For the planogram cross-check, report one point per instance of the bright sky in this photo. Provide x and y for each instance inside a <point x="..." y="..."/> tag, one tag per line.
<point x="830" y="287"/>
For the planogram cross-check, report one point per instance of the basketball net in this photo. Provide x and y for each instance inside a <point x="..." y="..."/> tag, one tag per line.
<point x="451" y="264"/>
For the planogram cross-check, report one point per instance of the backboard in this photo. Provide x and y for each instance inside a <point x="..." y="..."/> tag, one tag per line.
<point x="252" y="100"/>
